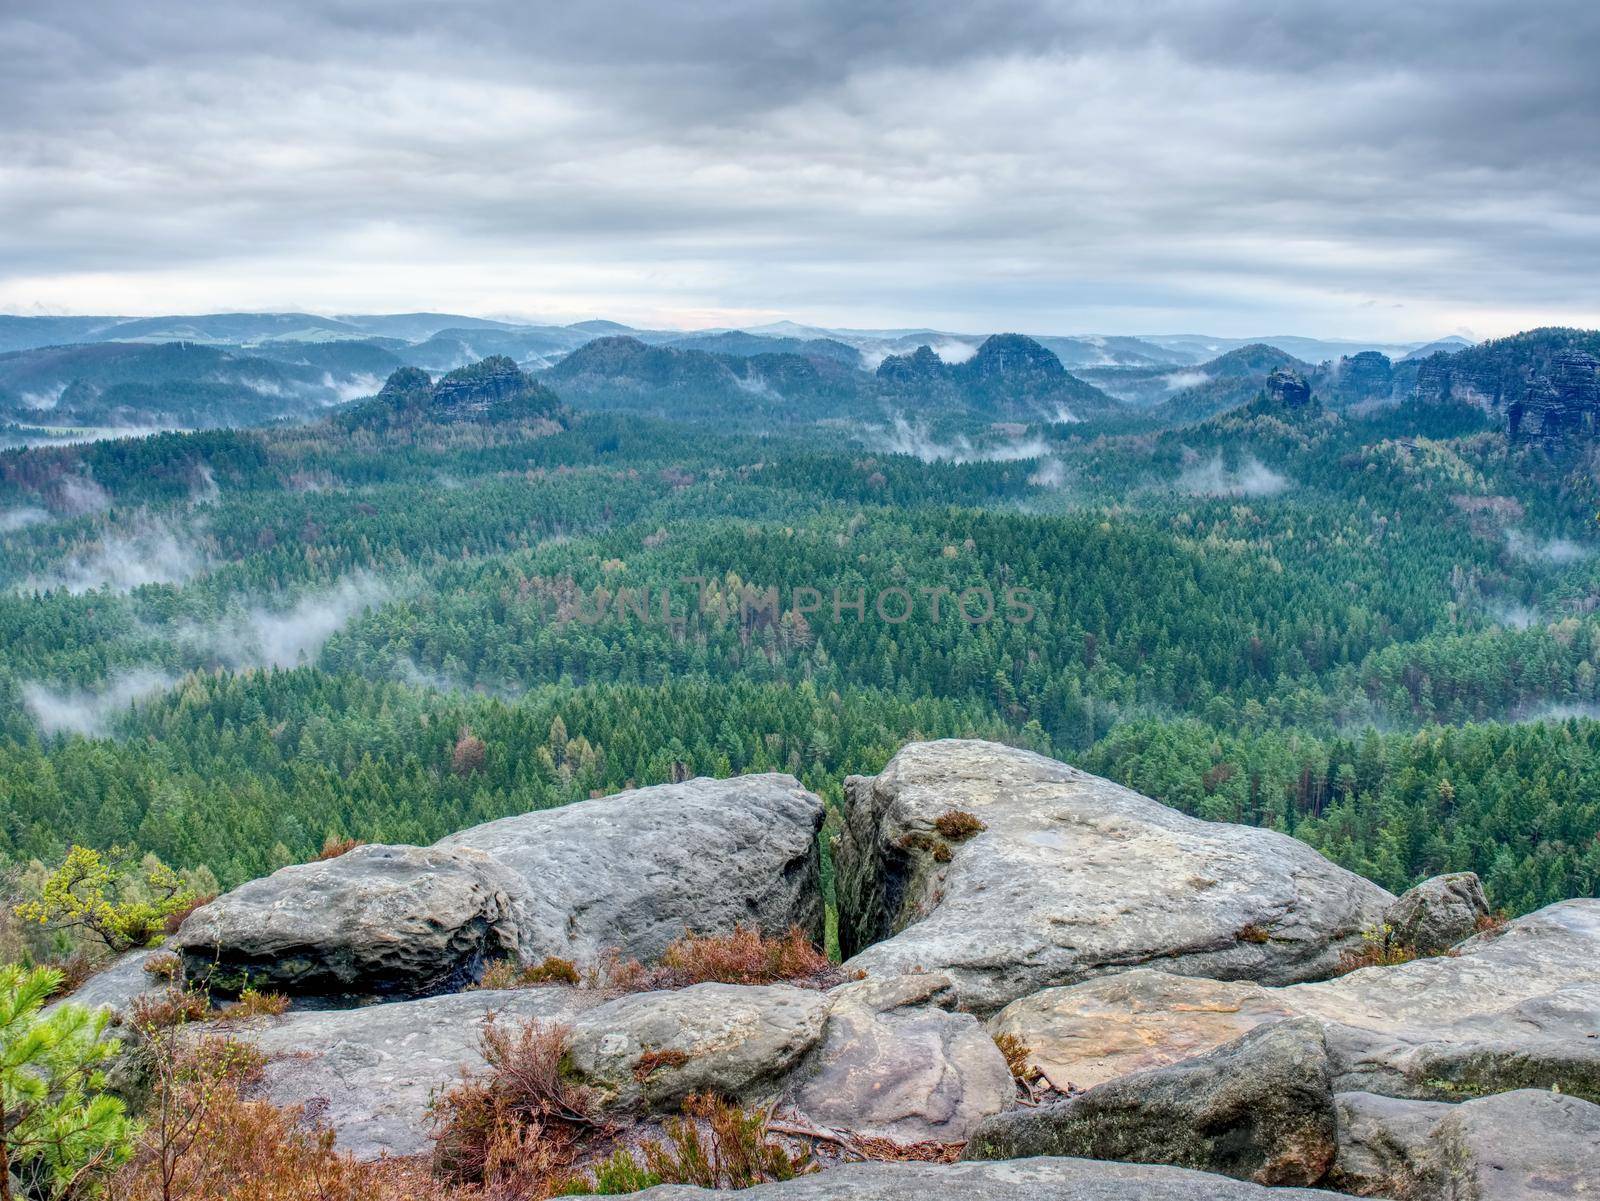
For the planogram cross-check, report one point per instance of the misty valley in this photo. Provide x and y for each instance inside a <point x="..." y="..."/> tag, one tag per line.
<point x="1350" y="599"/>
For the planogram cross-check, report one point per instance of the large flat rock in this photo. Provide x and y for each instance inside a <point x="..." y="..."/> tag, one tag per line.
<point x="1073" y="877"/>
<point x="369" y="1074"/>
<point x="1518" y="1009"/>
<point x="1009" y="1180"/>
<point x="631" y="872"/>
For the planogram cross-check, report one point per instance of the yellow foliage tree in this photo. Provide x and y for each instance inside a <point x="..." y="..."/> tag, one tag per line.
<point x="108" y="897"/>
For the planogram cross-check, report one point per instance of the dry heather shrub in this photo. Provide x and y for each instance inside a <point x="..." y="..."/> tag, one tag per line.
<point x="1378" y="948"/>
<point x="744" y="957"/>
<point x="1492" y="923"/>
<point x="956" y="824"/>
<point x="717" y="1145"/>
<point x="506" y="973"/>
<point x="253" y="1004"/>
<point x="520" y="1124"/>
<point x="167" y="1008"/>
<point x="164" y="966"/>
<point x="202" y="1139"/>
<point x="1016" y="1054"/>
<point x="175" y="918"/>
<point x="333" y="847"/>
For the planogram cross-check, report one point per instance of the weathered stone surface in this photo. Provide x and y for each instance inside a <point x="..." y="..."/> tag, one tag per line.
<point x="1259" y="1108"/>
<point x="734" y="1040"/>
<point x="385" y="920"/>
<point x="1520" y="1009"/>
<point x="1527" y="1145"/>
<point x="629" y="872"/>
<point x="370" y="1073"/>
<point x="1011" y="1180"/>
<point x="1438" y="913"/>
<point x="633" y="871"/>
<point x="116" y="987"/>
<point x="895" y="1063"/>
<point x="1074" y="877"/>
<point x="1114" y="1026"/>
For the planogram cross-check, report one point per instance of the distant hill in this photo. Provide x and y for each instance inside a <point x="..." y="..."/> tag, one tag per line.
<point x="737" y="342"/>
<point x="1011" y="377"/>
<point x="670" y="381"/>
<point x="183" y="384"/>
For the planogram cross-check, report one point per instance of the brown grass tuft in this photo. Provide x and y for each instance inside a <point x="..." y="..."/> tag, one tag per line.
<point x="507" y="973"/>
<point x="253" y="1004"/>
<point x="1016" y="1053"/>
<point x="653" y="1060"/>
<point x="956" y="824"/>
<point x="164" y="966"/>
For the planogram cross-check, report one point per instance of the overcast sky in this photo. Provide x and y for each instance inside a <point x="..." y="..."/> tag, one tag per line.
<point x="1403" y="169"/>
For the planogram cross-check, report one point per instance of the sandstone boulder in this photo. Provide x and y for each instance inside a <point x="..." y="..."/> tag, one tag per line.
<point x="633" y="871"/>
<point x="627" y="873"/>
<point x="384" y="920"/>
<point x="896" y="1063"/>
<point x="1260" y="1109"/>
<point x="1517" y="1009"/>
<point x="369" y="1074"/>
<point x="1012" y="1180"/>
<point x="1070" y="877"/>
<point x="1527" y="1145"/>
<point x="650" y="1051"/>
<point x="1438" y="913"/>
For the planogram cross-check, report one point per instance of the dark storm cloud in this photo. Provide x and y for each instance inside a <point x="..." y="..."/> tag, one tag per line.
<point x="1239" y="167"/>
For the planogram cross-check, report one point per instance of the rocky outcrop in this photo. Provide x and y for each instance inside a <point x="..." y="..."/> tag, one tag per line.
<point x="650" y="1051"/>
<point x="1259" y="1108"/>
<point x="895" y="1062"/>
<point x="1438" y="913"/>
<point x="377" y="920"/>
<point x="1563" y="403"/>
<point x="1013" y="1180"/>
<point x="1368" y="375"/>
<point x="492" y="389"/>
<point x="1070" y="877"/>
<point x="1527" y="1145"/>
<point x="627" y="873"/>
<point x="1513" y="1010"/>
<point x="632" y="872"/>
<point x="1288" y="388"/>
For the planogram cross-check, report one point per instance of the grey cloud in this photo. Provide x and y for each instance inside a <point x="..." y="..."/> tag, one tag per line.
<point x="1045" y="166"/>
